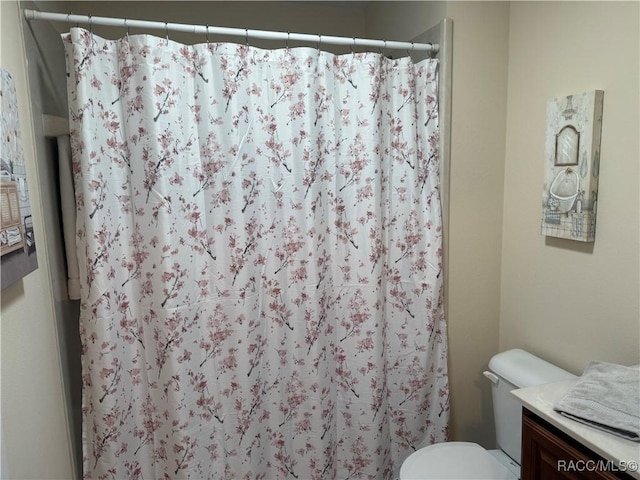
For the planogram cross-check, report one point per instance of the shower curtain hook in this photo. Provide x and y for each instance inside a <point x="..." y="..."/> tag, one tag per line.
<point x="353" y="46"/>
<point x="166" y="28"/>
<point x="91" y="33"/>
<point x="207" y="33"/>
<point x="68" y="15"/>
<point x="126" y="26"/>
<point x="319" y="41"/>
<point x="246" y="36"/>
<point x="287" y="42"/>
<point x="409" y="52"/>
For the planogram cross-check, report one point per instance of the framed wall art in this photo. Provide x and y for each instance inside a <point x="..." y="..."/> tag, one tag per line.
<point x="17" y="238"/>
<point x="572" y="166"/>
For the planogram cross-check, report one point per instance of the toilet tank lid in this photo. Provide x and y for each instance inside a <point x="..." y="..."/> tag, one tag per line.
<point x="523" y="369"/>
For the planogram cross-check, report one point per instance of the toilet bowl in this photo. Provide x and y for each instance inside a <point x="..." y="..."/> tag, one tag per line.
<point x="458" y="460"/>
<point x="464" y="460"/>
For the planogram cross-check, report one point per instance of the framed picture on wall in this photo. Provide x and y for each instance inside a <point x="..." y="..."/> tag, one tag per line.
<point x="572" y="166"/>
<point x="17" y="238"/>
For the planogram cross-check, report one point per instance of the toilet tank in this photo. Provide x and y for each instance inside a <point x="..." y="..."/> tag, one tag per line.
<point x="516" y="369"/>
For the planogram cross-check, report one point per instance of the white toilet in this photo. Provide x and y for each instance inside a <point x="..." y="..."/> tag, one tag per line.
<point x="463" y="460"/>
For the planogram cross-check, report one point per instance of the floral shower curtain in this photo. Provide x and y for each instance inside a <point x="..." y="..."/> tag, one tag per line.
<point x="259" y="235"/>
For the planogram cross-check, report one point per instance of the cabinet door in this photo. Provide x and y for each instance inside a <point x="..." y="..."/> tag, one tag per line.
<point x="548" y="454"/>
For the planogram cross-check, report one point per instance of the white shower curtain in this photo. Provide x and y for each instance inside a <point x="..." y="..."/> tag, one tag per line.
<point x="259" y="235"/>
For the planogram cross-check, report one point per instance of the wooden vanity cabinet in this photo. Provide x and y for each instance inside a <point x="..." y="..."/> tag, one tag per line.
<point x="545" y="448"/>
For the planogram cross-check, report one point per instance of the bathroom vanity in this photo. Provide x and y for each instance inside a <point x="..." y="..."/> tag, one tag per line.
<point x="556" y="447"/>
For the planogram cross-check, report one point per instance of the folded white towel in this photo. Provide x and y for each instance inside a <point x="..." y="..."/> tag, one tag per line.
<point x="68" y="209"/>
<point x="606" y="396"/>
<point x="13" y="236"/>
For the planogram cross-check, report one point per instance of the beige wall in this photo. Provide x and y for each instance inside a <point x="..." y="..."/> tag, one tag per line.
<point x="402" y="20"/>
<point x="480" y="49"/>
<point x="563" y="300"/>
<point x="34" y="418"/>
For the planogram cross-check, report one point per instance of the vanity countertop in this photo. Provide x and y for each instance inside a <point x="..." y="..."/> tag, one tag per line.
<point x="540" y="400"/>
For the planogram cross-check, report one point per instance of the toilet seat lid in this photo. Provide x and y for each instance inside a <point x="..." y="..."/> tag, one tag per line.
<point x="454" y="460"/>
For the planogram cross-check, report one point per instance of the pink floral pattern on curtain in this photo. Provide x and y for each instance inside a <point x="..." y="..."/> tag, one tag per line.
<point x="260" y="245"/>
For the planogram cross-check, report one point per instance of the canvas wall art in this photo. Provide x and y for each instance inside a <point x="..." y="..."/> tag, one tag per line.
<point x="17" y="238"/>
<point x="572" y="166"/>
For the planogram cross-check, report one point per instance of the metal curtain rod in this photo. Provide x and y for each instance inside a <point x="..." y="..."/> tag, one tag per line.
<point x="240" y="32"/>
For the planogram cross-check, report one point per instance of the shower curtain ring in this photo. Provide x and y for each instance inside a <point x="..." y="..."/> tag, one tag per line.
<point x="319" y="41"/>
<point x="207" y="33"/>
<point x="166" y="28"/>
<point x="246" y="36"/>
<point x="126" y="26"/>
<point x="91" y="33"/>
<point x="353" y="46"/>
<point x="287" y="42"/>
<point x="410" y="51"/>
